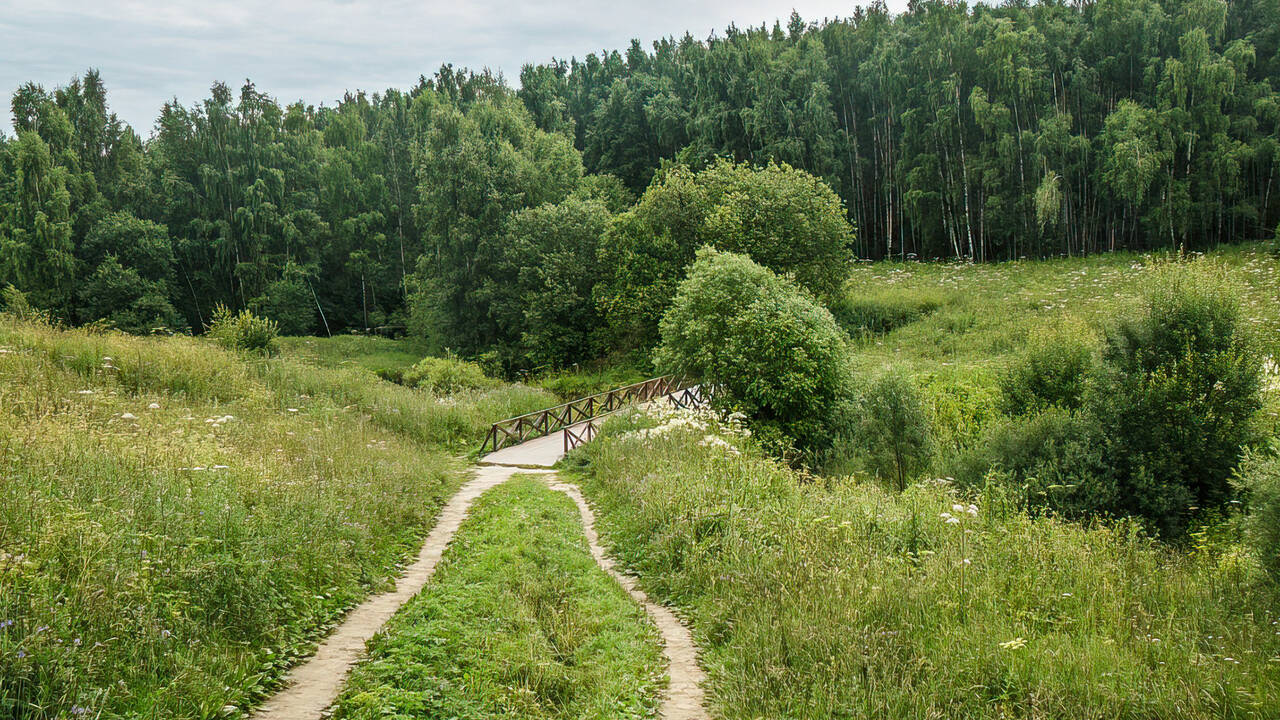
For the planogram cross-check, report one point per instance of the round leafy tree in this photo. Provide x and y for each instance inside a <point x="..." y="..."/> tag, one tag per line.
<point x="774" y="352"/>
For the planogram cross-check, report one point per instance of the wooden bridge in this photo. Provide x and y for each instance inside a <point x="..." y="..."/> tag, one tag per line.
<point x="579" y="420"/>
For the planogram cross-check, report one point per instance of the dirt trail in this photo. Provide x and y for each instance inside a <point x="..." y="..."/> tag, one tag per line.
<point x="683" y="700"/>
<point x="313" y="686"/>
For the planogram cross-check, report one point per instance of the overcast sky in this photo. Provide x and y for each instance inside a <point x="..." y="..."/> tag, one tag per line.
<point x="152" y="50"/>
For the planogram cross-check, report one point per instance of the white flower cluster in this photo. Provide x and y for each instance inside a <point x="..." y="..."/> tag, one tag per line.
<point x="704" y="420"/>
<point x="1271" y="374"/>
<point x="960" y="511"/>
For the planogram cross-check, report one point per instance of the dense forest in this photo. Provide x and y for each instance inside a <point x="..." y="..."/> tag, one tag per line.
<point x="549" y="224"/>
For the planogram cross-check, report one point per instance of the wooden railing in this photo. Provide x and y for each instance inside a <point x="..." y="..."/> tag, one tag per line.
<point x="516" y="430"/>
<point x="686" y="398"/>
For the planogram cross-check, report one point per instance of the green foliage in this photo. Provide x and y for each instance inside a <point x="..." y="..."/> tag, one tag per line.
<point x="218" y="514"/>
<point x="810" y="598"/>
<point x="13" y="302"/>
<point x="446" y="376"/>
<point x="243" y="331"/>
<point x="883" y="309"/>
<point x="1178" y="394"/>
<point x="893" y="429"/>
<point x="783" y="218"/>
<point x="1259" y="479"/>
<point x="548" y="313"/>
<point x="774" y="351"/>
<point x="123" y="298"/>
<point x="1054" y="459"/>
<point x="518" y="621"/>
<point x="1053" y="371"/>
<point x="478" y="165"/>
<point x="288" y="302"/>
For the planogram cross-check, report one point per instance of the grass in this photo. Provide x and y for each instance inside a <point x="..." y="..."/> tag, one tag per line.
<point x="812" y="599"/>
<point x="955" y="326"/>
<point x="178" y="522"/>
<point x="518" y="622"/>
<point x="383" y="356"/>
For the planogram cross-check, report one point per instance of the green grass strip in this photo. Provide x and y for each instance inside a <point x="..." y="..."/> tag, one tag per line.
<point x="519" y="622"/>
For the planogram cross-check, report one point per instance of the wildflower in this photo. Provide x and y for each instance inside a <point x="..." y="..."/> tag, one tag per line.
<point x="154" y="406"/>
<point x="953" y="521"/>
<point x="21" y="654"/>
<point x="1014" y="644"/>
<point x="972" y="510"/>
<point x="128" y="416"/>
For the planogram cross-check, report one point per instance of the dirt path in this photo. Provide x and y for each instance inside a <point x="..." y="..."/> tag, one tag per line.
<point x="683" y="699"/>
<point x="310" y="688"/>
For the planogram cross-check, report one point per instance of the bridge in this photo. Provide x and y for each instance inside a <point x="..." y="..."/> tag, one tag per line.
<point x="542" y="437"/>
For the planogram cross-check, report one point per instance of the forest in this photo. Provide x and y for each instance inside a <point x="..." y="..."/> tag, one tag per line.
<point x="489" y="219"/>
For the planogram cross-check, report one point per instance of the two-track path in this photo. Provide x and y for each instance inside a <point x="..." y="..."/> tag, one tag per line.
<point x="311" y="687"/>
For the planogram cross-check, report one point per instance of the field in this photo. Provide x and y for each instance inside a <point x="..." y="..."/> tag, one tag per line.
<point x="178" y="522"/>
<point x="953" y="327"/>
<point x="832" y="596"/>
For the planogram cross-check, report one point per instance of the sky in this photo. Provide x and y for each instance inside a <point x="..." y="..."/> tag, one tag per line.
<point x="151" y="51"/>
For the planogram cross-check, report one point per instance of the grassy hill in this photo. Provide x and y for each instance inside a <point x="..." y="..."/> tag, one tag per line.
<point x="177" y="521"/>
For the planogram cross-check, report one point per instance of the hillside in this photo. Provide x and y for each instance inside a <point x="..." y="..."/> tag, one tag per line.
<point x="178" y="522"/>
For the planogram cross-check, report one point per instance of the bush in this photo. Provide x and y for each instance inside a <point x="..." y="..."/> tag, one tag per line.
<point x="243" y="331"/>
<point x="1053" y="371"/>
<point x="1054" y="460"/>
<point x="1259" y="479"/>
<point x="774" y="351"/>
<point x="884" y="310"/>
<point x="288" y="302"/>
<point x="14" y="302"/>
<point x="1180" y="387"/>
<point x="446" y="375"/>
<point x="894" y="429"/>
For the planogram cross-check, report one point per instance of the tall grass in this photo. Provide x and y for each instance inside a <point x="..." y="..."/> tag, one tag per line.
<point x="177" y="522"/>
<point x="847" y="601"/>
<point x="518" y="622"/>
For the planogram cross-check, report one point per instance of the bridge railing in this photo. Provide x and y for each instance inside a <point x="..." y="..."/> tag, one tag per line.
<point x="686" y="398"/>
<point x="516" y="430"/>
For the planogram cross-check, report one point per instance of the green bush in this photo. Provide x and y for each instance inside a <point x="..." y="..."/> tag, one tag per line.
<point x="288" y="302"/>
<point x="14" y="302"/>
<point x="1054" y="460"/>
<point x="446" y="376"/>
<point x="243" y="331"/>
<point x="1180" y="387"/>
<point x="1259" y="479"/>
<point x="894" y="429"/>
<point x="1053" y="371"/>
<point x="884" y="310"/>
<point x="774" y="351"/>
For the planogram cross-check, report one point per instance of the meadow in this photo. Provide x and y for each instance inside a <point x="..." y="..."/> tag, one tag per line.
<point x="178" y="522"/>
<point x="828" y="598"/>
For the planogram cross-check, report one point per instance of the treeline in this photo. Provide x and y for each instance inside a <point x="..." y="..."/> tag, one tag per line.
<point x="957" y="130"/>
<point x="548" y="225"/>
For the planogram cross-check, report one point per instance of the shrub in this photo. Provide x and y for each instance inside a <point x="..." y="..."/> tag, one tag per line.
<point x="288" y="302"/>
<point x="884" y="310"/>
<point x="894" y="429"/>
<point x="1054" y="459"/>
<point x="774" y="351"/>
<point x="1179" y="390"/>
<point x="243" y="331"/>
<point x="14" y="302"/>
<point x="1053" y="371"/>
<point x="446" y="375"/>
<point x="1259" y="478"/>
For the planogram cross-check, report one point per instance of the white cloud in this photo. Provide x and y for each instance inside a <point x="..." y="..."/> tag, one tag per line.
<point x="151" y="50"/>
